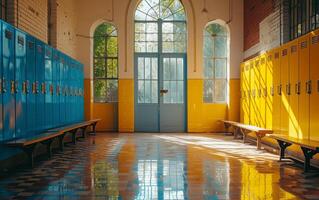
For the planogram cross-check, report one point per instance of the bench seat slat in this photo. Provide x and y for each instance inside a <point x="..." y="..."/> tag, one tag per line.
<point x="310" y="144"/>
<point x="33" y="139"/>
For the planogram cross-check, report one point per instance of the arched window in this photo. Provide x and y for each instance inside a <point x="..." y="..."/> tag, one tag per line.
<point x="215" y="64"/>
<point x="105" y="64"/>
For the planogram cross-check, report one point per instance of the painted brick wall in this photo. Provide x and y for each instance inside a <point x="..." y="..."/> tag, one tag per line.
<point x="254" y="12"/>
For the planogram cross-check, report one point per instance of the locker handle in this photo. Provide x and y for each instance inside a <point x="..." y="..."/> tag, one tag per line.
<point x="265" y="92"/>
<point x="43" y="88"/>
<point x="279" y="90"/>
<point x="298" y="88"/>
<point x="308" y="87"/>
<point x="16" y="87"/>
<point x="24" y="87"/>
<point x="35" y="87"/>
<point x="4" y="90"/>
<point x="13" y="87"/>
<point x="288" y="89"/>
<point x="317" y="85"/>
<point x="51" y="89"/>
<point x="272" y="91"/>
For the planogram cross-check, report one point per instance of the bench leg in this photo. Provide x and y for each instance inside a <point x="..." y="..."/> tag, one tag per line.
<point x="259" y="137"/>
<point x="94" y="128"/>
<point x="283" y="145"/>
<point x="61" y="143"/>
<point x="29" y="150"/>
<point x="73" y="132"/>
<point x="236" y="131"/>
<point x="84" y="131"/>
<point x="226" y="126"/>
<point x="48" y="143"/>
<point x="308" y="153"/>
<point x="244" y="135"/>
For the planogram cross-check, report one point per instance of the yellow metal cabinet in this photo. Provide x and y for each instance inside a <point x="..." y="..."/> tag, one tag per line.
<point x="257" y="92"/>
<point x="303" y="48"/>
<point x="284" y="83"/>
<point x="252" y="102"/>
<point x="277" y="90"/>
<point x="246" y="93"/>
<point x="293" y="92"/>
<point x="269" y="90"/>
<point x="262" y="93"/>
<point x="314" y="78"/>
<point x="242" y="92"/>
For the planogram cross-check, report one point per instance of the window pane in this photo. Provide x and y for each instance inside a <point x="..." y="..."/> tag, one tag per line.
<point x="112" y="47"/>
<point x="180" y="69"/>
<point x="109" y="65"/>
<point x="99" y="68"/>
<point x="140" y="68"/>
<point x="220" y="68"/>
<point x="112" y="86"/>
<point x="147" y="68"/>
<point x="208" y="91"/>
<point x="99" y="46"/>
<point x="220" y="47"/>
<point x="208" y="68"/>
<point x="100" y="90"/>
<point x="147" y="92"/>
<point x="220" y="90"/>
<point x="141" y="94"/>
<point x="154" y="92"/>
<point x="154" y="68"/>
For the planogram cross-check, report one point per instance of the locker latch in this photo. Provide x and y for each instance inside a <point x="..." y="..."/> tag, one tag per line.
<point x="308" y="87"/>
<point x="58" y="90"/>
<point x="265" y="92"/>
<point x="35" y="87"/>
<point x="24" y="87"/>
<point x="13" y="87"/>
<point x="43" y="89"/>
<point x="51" y="89"/>
<point x="297" y="88"/>
<point x="259" y="93"/>
<point x="288" y="89"/>
<point x="280" y="90"/>
<point x="272" y="91"/>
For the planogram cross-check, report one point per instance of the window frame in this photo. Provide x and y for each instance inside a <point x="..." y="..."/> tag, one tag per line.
<point x="213" y="57"/>
<point x="105" y="57"/>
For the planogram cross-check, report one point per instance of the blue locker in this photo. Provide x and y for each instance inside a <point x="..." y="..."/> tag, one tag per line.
<point x="1" y="87"/>
<point x="48" y="87"/>
<point x="68" y="90"/>
<point x="82" y="91"/>
<point x="8" y="81"/>
<point x="20" y="83"/>
<point x="55" y="82"/>
<point x="62" y="96"/>
<point x="31" y="85"/>
<point x="40" y="86"/>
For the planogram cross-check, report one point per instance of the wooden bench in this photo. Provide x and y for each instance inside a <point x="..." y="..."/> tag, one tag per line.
<point x="244" y="130"/>
<point x="308" y="147"/>
<point x="29" y="144"/>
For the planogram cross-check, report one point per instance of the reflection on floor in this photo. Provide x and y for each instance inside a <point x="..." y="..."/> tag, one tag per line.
<point x="160" y="166"/>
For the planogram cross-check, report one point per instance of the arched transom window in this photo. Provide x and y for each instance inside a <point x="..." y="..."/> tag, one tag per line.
<point x="105" y="64"/>
<point x="215" y="64"/>
<point x="160" y="26"/>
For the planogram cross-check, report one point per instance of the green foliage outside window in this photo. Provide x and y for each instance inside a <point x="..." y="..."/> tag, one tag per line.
<point x="105" y="63"/>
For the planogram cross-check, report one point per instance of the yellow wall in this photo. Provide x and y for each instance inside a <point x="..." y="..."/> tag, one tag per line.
<point x="203" y="117"/>
<point x="126" y="105"/>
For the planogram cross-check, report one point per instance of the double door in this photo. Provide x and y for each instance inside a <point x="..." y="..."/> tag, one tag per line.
<point x="160" y="91"/>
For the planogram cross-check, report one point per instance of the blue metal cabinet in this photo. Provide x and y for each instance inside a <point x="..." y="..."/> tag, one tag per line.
<point x="55" y="83"/>
<point x="82" y="91"/>
<point x="62" y="95"/>
<point x="8" y="81"/>
<point x="48" y="86"/>
<point x="31" y="85"/>
<point x="40" y="86"/>
<point x="1" y="87"/>
<point x="20" y="83"/>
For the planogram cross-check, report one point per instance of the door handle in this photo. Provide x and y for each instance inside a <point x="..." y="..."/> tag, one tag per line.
<point x="163" y="91"/>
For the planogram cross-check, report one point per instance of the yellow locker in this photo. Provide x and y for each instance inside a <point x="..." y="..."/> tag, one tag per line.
<point x="262" y="91"/>
<point x="252" y="103"/>
<point x="247" y="93"/>
<point x="284" y="82"/>
<point x="269" y="90"/>
<point x="314" y="78"/>
<point x="277" y="90"/>
<point x="242" y="92"/>
<point x="303" y="47"/>
<point x="257" y="92"/>
<point x="293" y="127"/>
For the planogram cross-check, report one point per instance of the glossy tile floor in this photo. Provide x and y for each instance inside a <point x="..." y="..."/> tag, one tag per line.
<point x="161" y="166"/>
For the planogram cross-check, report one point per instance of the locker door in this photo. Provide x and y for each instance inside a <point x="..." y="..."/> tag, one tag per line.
<point x="82" y="91"/>
<point x="252" y="105"/>
<point x="277" y="90"/>
<point x="8" y="81"/>
<point x="242" y="67"/>
<point x="247" y="93"/>
<point x="292" y="87"/>
<point x="314" y="78"/>
<point x="1" y="88"/>
<point x="305" y="91"/>
<point x="262" y="91"/>
<point x="48" y="87"/>
<point x="67" y="86"/>
<point x="55" y="83"/>
<point x="257" y="93"/>
<point x="284" y="78"/>
<point x="269" y="90"/>
<point x="20" y="81"/>
<point x="62" y="90"/>
<point x="31" y="90"/>
<point x="40" y="86"/>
